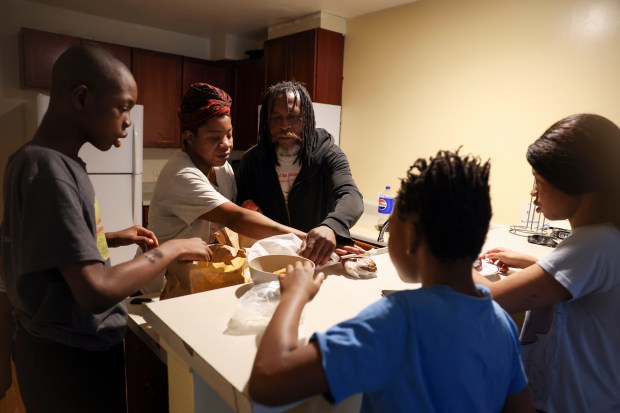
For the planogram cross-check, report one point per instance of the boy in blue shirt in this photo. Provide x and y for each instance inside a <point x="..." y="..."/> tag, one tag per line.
<point x="445" y="347"/>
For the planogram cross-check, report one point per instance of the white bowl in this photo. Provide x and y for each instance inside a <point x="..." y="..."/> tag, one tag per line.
<point x="262" y="268"/>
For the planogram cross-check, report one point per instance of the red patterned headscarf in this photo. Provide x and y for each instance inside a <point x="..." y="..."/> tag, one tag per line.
<point x="200" y="103"/>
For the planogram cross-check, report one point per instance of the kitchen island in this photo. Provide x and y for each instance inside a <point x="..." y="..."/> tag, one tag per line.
<point x="209" y="368"/>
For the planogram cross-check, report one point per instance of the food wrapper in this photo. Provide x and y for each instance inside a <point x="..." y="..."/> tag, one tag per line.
<point x="284" y="244"/>
<point x="226" y="268"/>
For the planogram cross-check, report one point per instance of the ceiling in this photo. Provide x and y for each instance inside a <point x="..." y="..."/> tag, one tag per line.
<point x="247" y="19"/>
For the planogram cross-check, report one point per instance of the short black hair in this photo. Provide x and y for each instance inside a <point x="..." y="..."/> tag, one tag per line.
<point x="449" y="195"/>
<point x="88" y="65"/>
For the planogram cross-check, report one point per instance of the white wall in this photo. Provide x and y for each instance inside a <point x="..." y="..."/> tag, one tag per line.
<point x="486" y="74"/>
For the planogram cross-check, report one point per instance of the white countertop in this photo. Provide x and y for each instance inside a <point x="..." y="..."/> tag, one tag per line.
<point x="194" y="327"/>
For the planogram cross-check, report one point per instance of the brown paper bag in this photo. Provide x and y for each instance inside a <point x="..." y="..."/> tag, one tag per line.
<point x="189" y="277"/>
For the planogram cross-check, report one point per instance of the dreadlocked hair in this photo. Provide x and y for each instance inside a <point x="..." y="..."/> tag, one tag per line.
<point x="308" y="133"/>
<point x="449" y="195"/>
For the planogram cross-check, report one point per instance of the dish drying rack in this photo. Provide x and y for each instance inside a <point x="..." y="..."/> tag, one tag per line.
<point x="534" y="224"/>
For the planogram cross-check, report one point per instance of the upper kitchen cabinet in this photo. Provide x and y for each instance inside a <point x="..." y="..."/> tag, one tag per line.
<point x="220" y="73"/>
<point x="122" y="53"/>
<point x="159" y="77"/>
<point x="39" y="51"/>
<point x="250" y="83"/>
<point x="314" y="57"/>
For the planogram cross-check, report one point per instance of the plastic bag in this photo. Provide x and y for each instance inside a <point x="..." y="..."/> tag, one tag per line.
<point x="254" y="309"/>
<point x="285" y="244"/>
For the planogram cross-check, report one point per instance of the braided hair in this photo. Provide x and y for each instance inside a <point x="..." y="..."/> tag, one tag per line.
<point x="449" y="195"/>
<point x="308" y="134"/>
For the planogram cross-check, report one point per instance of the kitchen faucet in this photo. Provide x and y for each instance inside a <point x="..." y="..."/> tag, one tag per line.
<point x="382" y="230"/>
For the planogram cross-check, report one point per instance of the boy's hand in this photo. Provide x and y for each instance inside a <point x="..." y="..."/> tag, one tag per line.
<point x="137" y="234"/>
<point x="511" y="258"/>
<point x="299" y="280"/>
<point x="191" y="249"/>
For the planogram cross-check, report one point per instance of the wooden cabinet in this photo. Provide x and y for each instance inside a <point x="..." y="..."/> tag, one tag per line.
<point x="159" y="79"/>
<point x="146" y="375"/>
<point x="243" y="80"/>
<point x="250" y="84"/>
<point x="39" y="51"/>
<point x="162" y="79"/>
<point x="219" y="73"/>
<point x="314" y="57"/>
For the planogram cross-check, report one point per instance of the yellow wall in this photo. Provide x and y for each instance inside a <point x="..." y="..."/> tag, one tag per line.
<point x="490" y="75"/>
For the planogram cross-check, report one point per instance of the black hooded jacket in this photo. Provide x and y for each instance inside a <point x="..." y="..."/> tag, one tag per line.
<point x="324" y="192"/>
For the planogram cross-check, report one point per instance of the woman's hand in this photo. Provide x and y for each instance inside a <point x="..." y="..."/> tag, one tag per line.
<point x="137" y="234"/>
<point x="511" y="258"/>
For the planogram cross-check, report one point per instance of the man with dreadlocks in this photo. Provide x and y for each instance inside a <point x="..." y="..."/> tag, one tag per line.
<point x="195" y="189"/>
<point x="444" y="347"/>
<point x="298" y="176"/>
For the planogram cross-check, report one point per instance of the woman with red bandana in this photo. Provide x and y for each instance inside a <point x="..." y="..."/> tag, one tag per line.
<point x="195" y="189"/>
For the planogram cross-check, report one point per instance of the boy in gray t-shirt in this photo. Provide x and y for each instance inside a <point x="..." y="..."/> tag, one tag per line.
<point x="66" y="299"/>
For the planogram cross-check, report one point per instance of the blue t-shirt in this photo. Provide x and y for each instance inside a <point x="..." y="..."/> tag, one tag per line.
<point x="425" y="350"/>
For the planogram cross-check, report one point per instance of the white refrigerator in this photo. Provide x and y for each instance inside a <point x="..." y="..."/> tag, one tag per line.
<point x="117" y="178"/>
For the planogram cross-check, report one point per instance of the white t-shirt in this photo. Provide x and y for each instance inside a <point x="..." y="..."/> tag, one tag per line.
<point x="571" y="352"/>
<point x="287" y="172"/>
<point x="182" y="194"/>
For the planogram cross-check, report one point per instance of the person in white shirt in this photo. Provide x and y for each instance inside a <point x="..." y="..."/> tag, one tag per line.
<point x="570" y="336"/>
<point x="194" y="194"/>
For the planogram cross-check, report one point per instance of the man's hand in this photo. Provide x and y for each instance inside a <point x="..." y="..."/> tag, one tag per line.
<point x="138" y="235"/>
<point x="251" y="205"/>
<point x="319" y="245"/>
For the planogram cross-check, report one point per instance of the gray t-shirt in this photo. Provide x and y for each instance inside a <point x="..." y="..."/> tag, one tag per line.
<point x="51" y="219"/>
